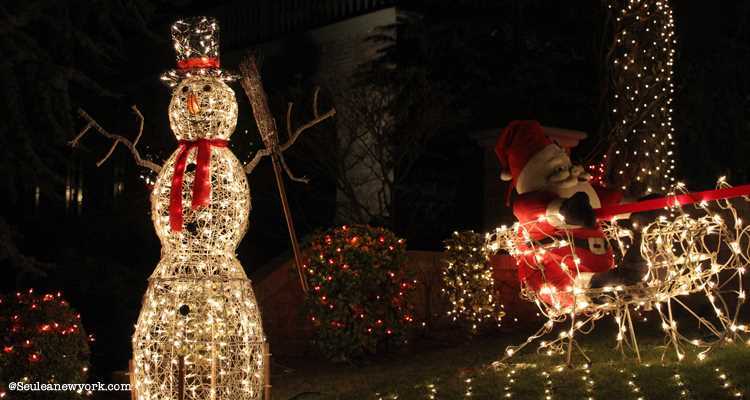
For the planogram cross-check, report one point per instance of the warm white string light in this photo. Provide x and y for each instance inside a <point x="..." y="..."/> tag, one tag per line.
<point x="510" y="381"/>
<point x="548" y="387"/>
<point x="727" y="384"/>
<point x="686" y="253"/>
<point x="199" y="334"/>
<point x="588" y="381"/>
<point x="468" y="284"/>
<point x="431" y="390"/>
<point x="641" y="157"/>
<point x="681" y="387"/>
<point x="632" y="381"/>
<point x="469" y="388"/>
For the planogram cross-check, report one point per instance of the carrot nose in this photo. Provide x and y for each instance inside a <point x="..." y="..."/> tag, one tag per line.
<point x="192" y="104"/>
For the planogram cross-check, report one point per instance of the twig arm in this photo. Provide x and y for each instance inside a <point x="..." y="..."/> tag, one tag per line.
<point x="289" y="173"/>
<point x="253" y="87"/>
<point x="320" y="118"/>
<point x="91" y="123"/>
<point x="249" y="167"/>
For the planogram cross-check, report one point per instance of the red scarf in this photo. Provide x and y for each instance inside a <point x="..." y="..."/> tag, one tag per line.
<point x="202" y="182"/>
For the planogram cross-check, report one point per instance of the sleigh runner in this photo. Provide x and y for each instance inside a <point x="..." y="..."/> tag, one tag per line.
<point x="698" y="249"/>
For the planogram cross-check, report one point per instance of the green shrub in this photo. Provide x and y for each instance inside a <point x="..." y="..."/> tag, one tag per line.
<point x="42" y="341"/>
<point x="467" y="282"/>
<point x="359" y="286"/>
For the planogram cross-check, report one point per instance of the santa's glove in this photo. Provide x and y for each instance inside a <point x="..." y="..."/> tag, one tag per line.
<point x="577" y="211"/>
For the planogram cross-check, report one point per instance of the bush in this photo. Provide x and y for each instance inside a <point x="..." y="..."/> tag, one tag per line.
<point x="468" y="283"/>
<point x="42" y="341"/>
<point x="358" y="291"/>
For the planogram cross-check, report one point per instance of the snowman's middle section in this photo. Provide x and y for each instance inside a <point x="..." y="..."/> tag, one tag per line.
<point x="209" y="231"/>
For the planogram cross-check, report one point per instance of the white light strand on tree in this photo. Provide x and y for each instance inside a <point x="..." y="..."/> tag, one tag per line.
<point x="640" y="158"/>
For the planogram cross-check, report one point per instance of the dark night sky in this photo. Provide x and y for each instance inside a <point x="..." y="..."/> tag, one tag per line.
<point x="104" y="256"/>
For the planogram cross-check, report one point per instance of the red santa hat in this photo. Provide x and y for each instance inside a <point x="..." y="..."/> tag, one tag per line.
<point x="518" y="142"/>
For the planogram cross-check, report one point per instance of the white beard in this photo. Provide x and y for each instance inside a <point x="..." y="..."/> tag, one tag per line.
<point x="585" y="187"/>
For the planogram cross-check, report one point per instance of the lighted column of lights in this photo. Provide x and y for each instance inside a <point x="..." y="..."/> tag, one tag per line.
<point x="469" y="388"/>
<point x="468" y="282"/>
<point x="685" y="253"/>
<point x="431" y="391"/>
<point x="632" y="380"/>
<point x="511" y="380"/>
<point x="640" y="158"/>
<point x="681" y="387"/>
<point x="727" y="384"/>
<point x="588" y="381"/>
<point x="548" y="388"/>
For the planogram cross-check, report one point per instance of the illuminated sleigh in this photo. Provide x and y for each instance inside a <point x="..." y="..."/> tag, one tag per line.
<point x="702" y="248"/>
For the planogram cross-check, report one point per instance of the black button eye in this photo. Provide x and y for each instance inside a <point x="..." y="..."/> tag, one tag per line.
<point x="207" y="88"/>
<point x="184" y="89"/>
<point x="184" y="310"/>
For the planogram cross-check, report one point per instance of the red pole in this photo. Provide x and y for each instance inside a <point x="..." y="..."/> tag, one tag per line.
<point x="670" y="201"/>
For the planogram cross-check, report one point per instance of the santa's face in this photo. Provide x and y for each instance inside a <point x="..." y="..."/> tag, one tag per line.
<point x="551" y="169"/>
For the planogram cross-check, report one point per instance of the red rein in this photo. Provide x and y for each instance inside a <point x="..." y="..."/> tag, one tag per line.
<point x="680" y="199"/>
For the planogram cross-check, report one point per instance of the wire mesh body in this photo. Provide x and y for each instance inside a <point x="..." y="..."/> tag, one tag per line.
<point x="701" y="249"/>
<point x="216" y="228"/>
<point x="199" y="334"/>
<point x="201" y="337"/>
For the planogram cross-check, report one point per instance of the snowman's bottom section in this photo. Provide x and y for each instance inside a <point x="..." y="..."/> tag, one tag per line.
<point x="199" y="338"/>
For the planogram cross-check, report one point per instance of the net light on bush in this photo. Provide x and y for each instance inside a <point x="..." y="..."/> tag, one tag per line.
<point x="359" y="290"/>
<point x="468" y="283"/>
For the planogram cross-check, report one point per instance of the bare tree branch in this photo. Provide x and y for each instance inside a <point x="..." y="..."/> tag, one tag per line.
<point x="289" y="107"/>
<point x="91" y="123"/>
<point x="289" y="173"/>
<point x="249" y="167"/>
<point x="320" y="118"/>
<point x="253" y="87"/>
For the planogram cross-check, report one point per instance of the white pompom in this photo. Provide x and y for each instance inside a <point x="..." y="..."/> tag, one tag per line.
<point x="505" y="175"/>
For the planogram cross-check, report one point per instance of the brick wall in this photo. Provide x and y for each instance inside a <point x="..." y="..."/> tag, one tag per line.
<point x="289" y="332"/>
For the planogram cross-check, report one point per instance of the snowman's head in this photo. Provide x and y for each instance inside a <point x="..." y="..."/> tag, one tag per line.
<point x="203" y="107"/>
<point x="550" y="169"/>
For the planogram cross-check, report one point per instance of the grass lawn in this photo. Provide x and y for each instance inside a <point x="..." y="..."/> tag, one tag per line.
<point x="458" y="371"/>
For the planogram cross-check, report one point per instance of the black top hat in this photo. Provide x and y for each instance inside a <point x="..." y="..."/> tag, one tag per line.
<point x="196" y="42"/>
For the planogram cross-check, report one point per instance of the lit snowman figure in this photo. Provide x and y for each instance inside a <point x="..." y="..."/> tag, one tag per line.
<point x="199" y="333"/>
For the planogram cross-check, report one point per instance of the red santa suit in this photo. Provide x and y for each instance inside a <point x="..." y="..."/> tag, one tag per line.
<point x="528" y="158"/>
<point x="554" y="281"/>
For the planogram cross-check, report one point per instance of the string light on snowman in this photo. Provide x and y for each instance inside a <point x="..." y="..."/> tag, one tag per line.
<point x="199" y="334"/>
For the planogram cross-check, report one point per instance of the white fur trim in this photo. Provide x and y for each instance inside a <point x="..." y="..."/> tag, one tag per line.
<point x="553" y="213"/>
<point x="582" y="282"/>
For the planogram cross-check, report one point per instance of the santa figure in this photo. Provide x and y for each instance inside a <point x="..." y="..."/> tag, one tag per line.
<point x="555" y="199"/>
